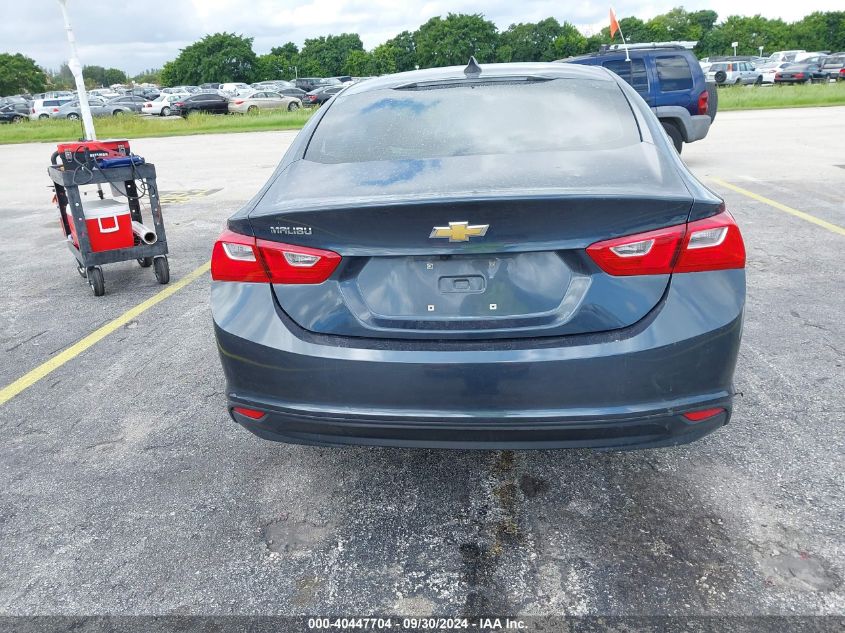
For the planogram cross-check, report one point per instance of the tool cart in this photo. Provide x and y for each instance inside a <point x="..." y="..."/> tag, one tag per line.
<point x="94" y="242"/>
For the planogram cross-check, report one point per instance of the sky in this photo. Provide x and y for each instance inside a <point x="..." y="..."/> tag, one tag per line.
<point x="134" y="36"/>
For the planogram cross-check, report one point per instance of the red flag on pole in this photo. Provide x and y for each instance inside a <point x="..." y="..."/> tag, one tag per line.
<point x="614" y="25"/>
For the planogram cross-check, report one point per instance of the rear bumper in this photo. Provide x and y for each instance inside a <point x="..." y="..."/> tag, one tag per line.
<point x="297" y="427"/>
<point x="621" y="389"/>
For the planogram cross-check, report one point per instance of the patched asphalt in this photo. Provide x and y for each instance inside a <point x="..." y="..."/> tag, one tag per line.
<point x="127" y="489"/>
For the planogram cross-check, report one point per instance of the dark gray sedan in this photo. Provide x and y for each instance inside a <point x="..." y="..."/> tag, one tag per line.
<point x="99" y="107"/>
<point x="430" y="267"/>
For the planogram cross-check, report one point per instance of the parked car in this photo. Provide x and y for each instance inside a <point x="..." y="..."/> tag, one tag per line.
<point x="670" y="80"/>
<point x="515" y="281"/>
<point x="236" y="88"/>
<point x="210" y="86"/>
<point x="768" y="71"/>
<point x="209" y="102"/>
<point x="99" y="107"/>
<point x="254" y="102"/>
<point x="834" y="66"/>
<point x="734" y="73"/>
<point x="104" y="93"/>
<point x="800" y="74"/>
<point x="311" y="83"/>
<point x="43" y="108"/>
<point x="319" y="96"/>
<point x="8" y="114"/>
<point x="162" y="105"/>
<point x="785" y="56"/>
<point x="295" y="93"/>
<point x="133" y="102"/>
<point x="19" y="103"/>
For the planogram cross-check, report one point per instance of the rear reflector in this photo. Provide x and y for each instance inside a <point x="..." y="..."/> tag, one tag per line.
<point x="253" y="414"/>
<point x="713" y="243"/>
<point x="703" y="414"/>
<point x="237" y="257"/>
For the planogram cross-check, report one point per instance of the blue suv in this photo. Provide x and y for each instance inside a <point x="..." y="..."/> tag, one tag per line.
<point x="670" y="80"/>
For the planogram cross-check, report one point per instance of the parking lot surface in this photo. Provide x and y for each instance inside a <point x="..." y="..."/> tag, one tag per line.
<point x="127" y="489"/>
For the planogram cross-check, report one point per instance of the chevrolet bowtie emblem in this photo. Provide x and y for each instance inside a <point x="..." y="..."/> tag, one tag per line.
<point x="459" y="231"/>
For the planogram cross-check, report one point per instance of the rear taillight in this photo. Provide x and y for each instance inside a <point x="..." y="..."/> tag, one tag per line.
<point x="841" y="72"/>
<point x="252" y="414"/>
<point x="238" y="101"/>
<point x="239" y="257"/>
<point x="178" y="104"/>
<point x="55" y="109"/>
<point x="777" y="75"/>
<point x="702" y="414"/>
<point x="713" y="243"/>
<point x="798" y="76"/>
<point x="703" y="102"/>
<point x="148" y="105"/>
<point x="33" y="110"/>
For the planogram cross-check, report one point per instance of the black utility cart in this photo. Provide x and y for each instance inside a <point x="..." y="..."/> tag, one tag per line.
<point x="128" y="180"/>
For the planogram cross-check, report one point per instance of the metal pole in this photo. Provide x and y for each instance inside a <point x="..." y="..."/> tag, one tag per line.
<point x="76" y="68"/>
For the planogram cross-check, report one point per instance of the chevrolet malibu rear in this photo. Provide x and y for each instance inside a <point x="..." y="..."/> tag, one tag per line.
<point x="433" y="264"/>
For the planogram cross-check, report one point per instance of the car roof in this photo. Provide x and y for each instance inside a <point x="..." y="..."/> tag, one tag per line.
<point x="552" y="70"/>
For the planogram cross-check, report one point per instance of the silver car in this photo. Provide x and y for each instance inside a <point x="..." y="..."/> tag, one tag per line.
<point x="99" y="107"/>
<point x="263" y="100"/>
<point x="737" y="73"/>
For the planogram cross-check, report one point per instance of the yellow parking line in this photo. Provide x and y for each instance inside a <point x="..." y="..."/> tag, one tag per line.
<point x="44" y="369"/>
<point x="782" y="207"/>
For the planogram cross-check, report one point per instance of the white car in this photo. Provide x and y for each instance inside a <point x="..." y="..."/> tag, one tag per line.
<point x="43" y="108"/>
<point x="770" y="70"/>
<point x="236" y="88"/>
<point x="161" y="105"/>
<point x="105" y="93"/>
<point x="733" y="73"/>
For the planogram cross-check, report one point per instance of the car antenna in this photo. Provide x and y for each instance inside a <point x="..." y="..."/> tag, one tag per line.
<point x="472" y="69"/>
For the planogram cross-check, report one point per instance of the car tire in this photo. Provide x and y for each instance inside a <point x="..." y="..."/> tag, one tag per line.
<point x="293" y="105"/>
<point x="165" y="111"/>
<point x="720" y="76"/>
<point x="17" y="119"/>
<point x="712" y="101"/>
<point x="738" y="82"/>
<point x="73" y="116"/>
<point x="674" y="135"/>
<point x="253" y="109"/>
<point x="759" y="80"/>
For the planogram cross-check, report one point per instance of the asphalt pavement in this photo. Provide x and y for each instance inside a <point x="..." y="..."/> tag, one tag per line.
<point x="127" y="489"/>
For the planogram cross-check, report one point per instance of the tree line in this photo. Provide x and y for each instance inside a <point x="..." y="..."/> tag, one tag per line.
<point x="443" y="41"/>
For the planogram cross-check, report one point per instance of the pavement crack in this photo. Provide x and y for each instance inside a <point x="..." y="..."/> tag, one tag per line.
<point x="17" y="345"/>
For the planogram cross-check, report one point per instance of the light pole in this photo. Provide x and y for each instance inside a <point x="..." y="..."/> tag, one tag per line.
<point x="76" y="68"/>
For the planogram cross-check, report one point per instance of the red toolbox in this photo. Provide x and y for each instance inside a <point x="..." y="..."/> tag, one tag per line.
<point x="109" y="225"/>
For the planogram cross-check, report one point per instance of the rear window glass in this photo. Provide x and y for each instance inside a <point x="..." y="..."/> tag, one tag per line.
<point x="674" y="72"/>
<point x="633" y="72"/>
<point x="472" y="119"/>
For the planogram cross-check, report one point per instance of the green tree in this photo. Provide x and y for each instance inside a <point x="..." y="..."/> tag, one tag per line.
<point x="404" y="50"/>
<point x="219" y="57"/>
<point x="384" y="59"/>
<point x="358" y="64"/>
<point x="570" y="42"/>
<point x="279" y="63"/>
<point x="326" y="56"/>
<point x="451" y="41"/>
<point x="20" y="74"/>
<point x="529" y="42"/>
<point x="820" y="32"/>
<point x="149" y="76"/>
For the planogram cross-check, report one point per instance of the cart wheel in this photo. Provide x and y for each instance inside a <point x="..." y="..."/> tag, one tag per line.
<point x="81" y="270"/>
<point x="95" y="279"/>
<point x="145" y="262"/>
<point x="162" y="269"/>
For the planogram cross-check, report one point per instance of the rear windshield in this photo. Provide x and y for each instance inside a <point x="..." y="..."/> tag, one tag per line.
<point x="472" y="119"/>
